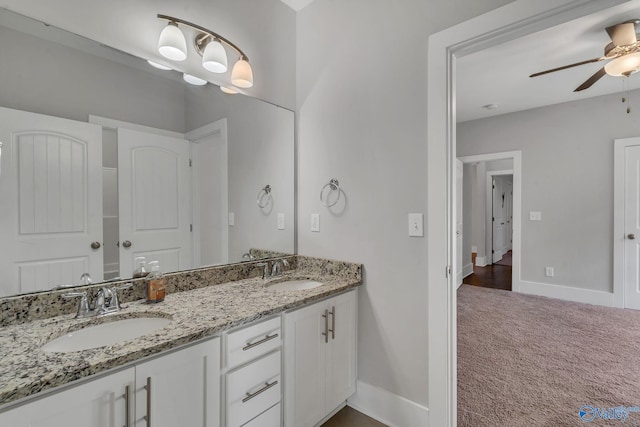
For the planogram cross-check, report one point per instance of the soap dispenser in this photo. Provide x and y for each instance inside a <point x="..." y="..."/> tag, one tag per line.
<point x="156" y="284"/>
<point x="141" y="268"/>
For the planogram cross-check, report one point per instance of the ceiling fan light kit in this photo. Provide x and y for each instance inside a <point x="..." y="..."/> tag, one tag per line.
<point x="209" y="45"/>
<point x="623" y="54"/>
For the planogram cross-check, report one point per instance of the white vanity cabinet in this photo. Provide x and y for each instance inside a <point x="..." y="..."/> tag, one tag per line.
<point x="253" y="382"/>
<point x="185" y="391"/>
<point x="319" y="359"/>
<point x="97" y="403"/>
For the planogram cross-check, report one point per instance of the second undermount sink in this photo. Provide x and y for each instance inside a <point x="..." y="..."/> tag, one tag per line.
<point x="105" y="334"/>
<point x="293" y="284"/>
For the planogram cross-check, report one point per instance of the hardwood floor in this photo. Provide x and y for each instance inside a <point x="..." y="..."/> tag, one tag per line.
<point x="495" y="276"/>
<point x="349" y="417"/>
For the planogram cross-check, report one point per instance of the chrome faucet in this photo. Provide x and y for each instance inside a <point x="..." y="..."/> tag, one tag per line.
<point x="278" y="266"/>
<point x="106" y="301"/>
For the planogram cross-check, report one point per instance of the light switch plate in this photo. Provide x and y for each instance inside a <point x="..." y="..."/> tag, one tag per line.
<point x="232" y="218"/>
<point x="535" y="216"/>
<point x="416" y="228"/>
<point x="280" y="221"/>
<point x="315" y="222"/>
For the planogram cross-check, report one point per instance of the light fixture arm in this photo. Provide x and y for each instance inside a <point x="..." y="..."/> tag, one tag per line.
<point x="205" y="34"/>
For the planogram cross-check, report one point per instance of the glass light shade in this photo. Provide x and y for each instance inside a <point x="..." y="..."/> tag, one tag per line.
<point x="228" y="90"/>
<point x="172" y="44"/>
<point x="623" y="65"/>
<point x="214" y="58"/>
<point x="154" y="64"/>
<point x="193" y="80"/>
<point x="242" y="75"/>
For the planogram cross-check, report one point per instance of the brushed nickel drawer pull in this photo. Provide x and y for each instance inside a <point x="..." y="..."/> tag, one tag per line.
<point x="326" y="326"/>
<point x="333" y="322"/>
<point x="147" y="417"/>
<point x="127" y="407"/>
<point x="266" y="387"/>
<point x="257" y="343"/>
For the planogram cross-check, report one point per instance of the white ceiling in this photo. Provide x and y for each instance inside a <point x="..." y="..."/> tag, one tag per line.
<point x="500" y="75"/>
<point x="296" y="4"/>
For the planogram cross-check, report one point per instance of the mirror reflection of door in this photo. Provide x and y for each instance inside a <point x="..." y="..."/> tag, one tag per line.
<point x="51" y="210"/>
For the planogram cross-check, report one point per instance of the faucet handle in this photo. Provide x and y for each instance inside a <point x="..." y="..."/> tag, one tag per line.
<point x="83" y="305"/>
<point x="265" y="271"/>
<point x="115" y="301"/>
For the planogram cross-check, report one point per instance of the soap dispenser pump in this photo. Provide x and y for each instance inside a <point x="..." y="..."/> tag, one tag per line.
<point x="156" y="284"/>
<point x="141" y="268"/>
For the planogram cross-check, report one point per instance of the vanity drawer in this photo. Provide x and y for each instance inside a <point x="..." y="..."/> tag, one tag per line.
<point x="253" y="389"/>
<point x="270" y="418"/>
<point x="252" y="342"/>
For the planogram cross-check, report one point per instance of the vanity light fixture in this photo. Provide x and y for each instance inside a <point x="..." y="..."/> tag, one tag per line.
<point x="228" y="90"/>
<point x="159" y="66"/>
<point x="209" y="45"/>
<point x="197" y="81"/>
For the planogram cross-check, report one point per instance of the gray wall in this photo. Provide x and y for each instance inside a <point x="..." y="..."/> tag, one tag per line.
<point x="567" y="174"/>
<point x="261" y="152"/>
<point x="361" y="119"/>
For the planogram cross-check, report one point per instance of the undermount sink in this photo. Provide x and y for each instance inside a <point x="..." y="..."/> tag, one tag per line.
<point x="105" y="334"/>
<point x="293" y="285"/>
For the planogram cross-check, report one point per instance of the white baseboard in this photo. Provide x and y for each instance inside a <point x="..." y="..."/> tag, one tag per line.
<point x="481" y="261"/>
<point x="467" y="270"/>
<point x="568" y="293"/>
<point x="388" y="408"/>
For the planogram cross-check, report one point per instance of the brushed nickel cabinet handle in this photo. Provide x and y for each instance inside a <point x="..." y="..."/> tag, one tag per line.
<point x="266" y="387"/>
<point x="127" y="407"/>
<point x="326" y="326"/>
<point x="257" y="343"/>
<point x="147" y="417"/>
<point x="333" y="322"/>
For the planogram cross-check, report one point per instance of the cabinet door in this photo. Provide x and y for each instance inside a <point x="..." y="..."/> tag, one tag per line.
<point x="340" y="377"/>
<point x="98" y="403"/>
<point x="304" y="366"/>
<point x="181" y="388"/>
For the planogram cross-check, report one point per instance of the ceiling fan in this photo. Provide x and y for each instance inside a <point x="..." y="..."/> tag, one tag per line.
<point x="623" y="54"/>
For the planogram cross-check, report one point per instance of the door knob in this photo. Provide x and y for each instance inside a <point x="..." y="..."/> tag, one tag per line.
<point x="631" y="236"/>
<point x="95" y="245"/>
<point x="126" y="244"/>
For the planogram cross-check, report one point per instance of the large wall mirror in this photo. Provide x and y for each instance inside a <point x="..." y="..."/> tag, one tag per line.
<point x="106" y="159"/>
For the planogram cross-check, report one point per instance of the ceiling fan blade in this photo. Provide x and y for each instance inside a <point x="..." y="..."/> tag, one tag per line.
<point x="553" y="70"/>
<point x="622" y="34"/>
<point x="591" y="80"/>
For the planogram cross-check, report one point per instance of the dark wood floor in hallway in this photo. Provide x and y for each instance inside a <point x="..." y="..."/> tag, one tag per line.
<point x="495" y="276"/>
<point x="349" y="417"/>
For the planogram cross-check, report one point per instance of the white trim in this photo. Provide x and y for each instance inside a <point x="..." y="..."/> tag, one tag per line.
<point x="513" y="20"/>
<point x="467" y="270"/>
<point x="481" y="261"/>
<point x="388" y="408"/>
<point x="115" y="124"/>
<point x="568" y="293"/>
<point x="619" y="149"/>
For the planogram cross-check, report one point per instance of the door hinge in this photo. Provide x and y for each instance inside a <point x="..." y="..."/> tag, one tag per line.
<point x="191" y="228"/>
<point x="190" y="163"/>
<point x="448" y="271"/>
<point x="492" y="251"/>
<point x="493" y="218"/>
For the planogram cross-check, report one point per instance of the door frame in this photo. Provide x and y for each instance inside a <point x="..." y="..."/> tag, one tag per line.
<point x="490" y="175"/>
<point x="619" y="149"/>
<point x="513" y="20"/>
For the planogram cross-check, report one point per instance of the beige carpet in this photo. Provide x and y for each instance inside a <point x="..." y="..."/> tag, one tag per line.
<point x="535" y="361"/>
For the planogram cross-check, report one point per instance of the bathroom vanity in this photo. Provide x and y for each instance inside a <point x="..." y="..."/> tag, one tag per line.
<point x="237" y="353"/>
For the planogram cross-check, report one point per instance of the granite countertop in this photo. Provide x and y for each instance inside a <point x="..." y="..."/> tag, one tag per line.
<point x="195" y="314"/>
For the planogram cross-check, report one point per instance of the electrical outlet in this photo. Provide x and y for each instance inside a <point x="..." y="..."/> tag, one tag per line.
<point x="535" y="216"/>
<point x="280" y="221"/>
<point x="416" y="228"/>
<point x="232" y="218"/>
<point x="548" y="271"/>
<point x="315" y="222"/>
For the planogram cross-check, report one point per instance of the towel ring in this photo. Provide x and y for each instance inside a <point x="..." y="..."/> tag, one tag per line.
<point x="264" y="197"/>
<point x="332" y="185"/>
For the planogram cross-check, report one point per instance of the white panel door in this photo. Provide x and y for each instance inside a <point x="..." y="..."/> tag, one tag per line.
<point x="632" y="228"/>
<point x="51" y="210"/>
<point x="154" y="200"/>
<point x="98" y="403"/>
<point x="499" y="219"/>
